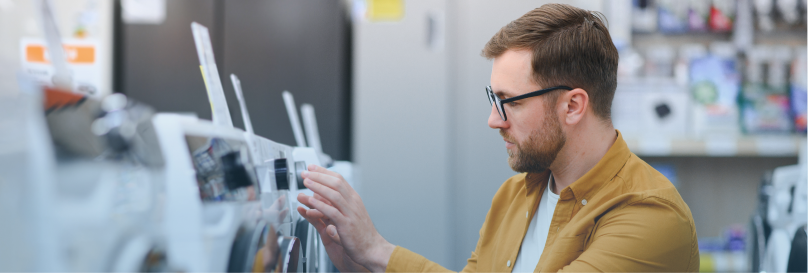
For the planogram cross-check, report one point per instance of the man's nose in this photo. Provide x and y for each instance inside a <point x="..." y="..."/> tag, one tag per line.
<point x="495" y="121"/>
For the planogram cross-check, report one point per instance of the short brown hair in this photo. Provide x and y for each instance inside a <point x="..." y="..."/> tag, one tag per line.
<point x="570" y="46"/>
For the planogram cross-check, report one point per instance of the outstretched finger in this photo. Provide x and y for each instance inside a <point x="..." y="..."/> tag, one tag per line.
<point x="315" y="213"/>
<point x="329" y="178"/>
<point x="304" y="199"/>
<point x="320" y="169"/>
<point x="331" y="212"/>
<point x="325" y="179"/>
<point x="317" y="222"/>
<point x="318" y="225"/>
<point x="321" y="198"/>
<point x="333" y="197"/>
<point x="311" y="213"/>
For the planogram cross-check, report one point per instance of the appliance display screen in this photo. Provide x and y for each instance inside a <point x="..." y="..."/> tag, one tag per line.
<point x="223" y="169"/>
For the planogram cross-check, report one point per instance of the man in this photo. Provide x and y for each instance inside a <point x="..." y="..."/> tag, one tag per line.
<point x="583" y="201"/>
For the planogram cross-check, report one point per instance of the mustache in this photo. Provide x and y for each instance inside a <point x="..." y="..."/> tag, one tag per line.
<point x="506" y="136"/>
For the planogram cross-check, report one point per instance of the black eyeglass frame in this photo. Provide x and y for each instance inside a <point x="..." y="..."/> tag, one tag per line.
<point x="493" y="98"/>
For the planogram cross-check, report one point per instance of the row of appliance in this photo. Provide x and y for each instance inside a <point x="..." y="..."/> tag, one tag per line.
<point x="109" y="185"/>
<point x="777" y="238"/>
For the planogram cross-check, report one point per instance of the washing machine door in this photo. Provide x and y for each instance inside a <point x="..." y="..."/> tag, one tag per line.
<point x="277" y="254"/>
<point x="140" y="254"/>
<point x="251" y="247"/>
<point x="310" y="245"/>
<point x="796" y="259"/>
<point x="290" y="257"/>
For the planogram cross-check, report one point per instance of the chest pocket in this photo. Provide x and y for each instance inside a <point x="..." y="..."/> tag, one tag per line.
<point x="570" y="244"/>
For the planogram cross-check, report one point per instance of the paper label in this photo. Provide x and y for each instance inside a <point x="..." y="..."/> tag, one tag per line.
<point x="776" y="146"/>
<point x="245" y="116"/>
<point x="82" y="63"/>
<point x="243" y="104"/>
<point x="210" y="74"/>
<point x="721" y="146"/>
<point x="385" y="10"/>
<point x="143" y="11"/>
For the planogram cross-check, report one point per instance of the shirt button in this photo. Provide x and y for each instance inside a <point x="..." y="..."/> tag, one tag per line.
<point x="583" y="202"/>
<point x="509" y="263"/>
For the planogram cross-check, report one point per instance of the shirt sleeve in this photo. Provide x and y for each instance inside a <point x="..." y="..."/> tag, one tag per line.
<point x="404" y="260"/>
<point x="650" y="235"/>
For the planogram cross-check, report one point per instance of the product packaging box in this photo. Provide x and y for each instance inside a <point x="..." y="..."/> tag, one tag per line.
<point x="799" y="98"/>
<point x="714" y="85"/>
<point x="765" y="101"/>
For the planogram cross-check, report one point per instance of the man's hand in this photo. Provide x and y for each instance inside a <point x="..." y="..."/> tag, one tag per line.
<point x="342" y="218"/>
<point x="331" y="242"/>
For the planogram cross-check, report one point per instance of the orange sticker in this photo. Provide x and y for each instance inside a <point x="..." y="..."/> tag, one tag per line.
<point x="75" y="54"/>
<point x="35" y="54"/>
<point x="57" y="98"/>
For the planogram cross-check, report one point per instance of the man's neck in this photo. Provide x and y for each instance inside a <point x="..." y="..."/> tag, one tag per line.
<point x="582" y="151"/>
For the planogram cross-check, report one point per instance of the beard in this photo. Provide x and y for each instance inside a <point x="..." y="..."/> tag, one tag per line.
<point x="537" y="153"/>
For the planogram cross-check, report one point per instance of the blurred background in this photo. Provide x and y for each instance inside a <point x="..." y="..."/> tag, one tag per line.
<point x="711" y="93"/>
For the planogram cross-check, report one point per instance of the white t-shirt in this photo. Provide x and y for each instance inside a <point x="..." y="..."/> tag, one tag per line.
<point x="536" y="236"/>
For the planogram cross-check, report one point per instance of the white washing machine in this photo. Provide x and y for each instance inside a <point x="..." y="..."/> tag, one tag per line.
<point x="229" y="197"/>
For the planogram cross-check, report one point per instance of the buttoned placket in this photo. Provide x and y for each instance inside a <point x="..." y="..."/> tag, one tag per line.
<point x="536" y="196"/>
<point x="564" y="209"/>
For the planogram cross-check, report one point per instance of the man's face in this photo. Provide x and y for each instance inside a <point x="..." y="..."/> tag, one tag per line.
<point x="533" y="135"/>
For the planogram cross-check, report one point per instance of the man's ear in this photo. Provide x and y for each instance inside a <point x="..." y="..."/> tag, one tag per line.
<point x="575" y="103"/>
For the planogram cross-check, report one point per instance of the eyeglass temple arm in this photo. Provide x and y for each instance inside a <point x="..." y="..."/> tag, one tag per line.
<point x="533" y="94"/>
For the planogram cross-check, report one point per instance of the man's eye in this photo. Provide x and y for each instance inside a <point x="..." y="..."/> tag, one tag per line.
<point x="513" y="103"/>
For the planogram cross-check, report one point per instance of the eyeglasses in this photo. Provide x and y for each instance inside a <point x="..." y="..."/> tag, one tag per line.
<point x="494" y="99"/>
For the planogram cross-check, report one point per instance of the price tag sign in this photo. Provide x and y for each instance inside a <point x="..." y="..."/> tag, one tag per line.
<point x="82" y="62"/>
<point x="775" y="145"/>
<point x="721" y="146"/>
<point x="210" y="74"/>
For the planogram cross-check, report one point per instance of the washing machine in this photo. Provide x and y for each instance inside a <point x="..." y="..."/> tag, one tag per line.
<point x="88" y="199"/>
<point x="107" y="185"/>
<point x="229" y="197"/>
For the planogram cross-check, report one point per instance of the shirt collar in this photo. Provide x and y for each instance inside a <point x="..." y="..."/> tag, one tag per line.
<point x="536" y="181"/>
<point x="595" y="178"/>
<point x="604" y="170"/>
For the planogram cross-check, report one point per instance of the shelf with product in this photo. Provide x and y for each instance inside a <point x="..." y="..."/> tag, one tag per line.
<point x="713" y="78"/>
<point x="717" y="146"/>
<point x="712" y="94"/>
<point x="659" y="117"/>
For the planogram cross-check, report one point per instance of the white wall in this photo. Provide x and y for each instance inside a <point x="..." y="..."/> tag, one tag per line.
<point x="400" y="133"/>
<point x="479" y="161"/>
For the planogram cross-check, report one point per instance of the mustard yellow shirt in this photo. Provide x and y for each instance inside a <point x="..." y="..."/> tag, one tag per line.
<point x="622" y="215"/>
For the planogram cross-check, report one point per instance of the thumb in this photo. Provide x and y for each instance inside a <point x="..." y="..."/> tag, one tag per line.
<point x="332" y="232"/>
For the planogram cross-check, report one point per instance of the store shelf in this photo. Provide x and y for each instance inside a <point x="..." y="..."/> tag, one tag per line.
<point x="755" y="146"/>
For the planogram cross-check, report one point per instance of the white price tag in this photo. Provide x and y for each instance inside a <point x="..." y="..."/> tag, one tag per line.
<point x="83" y="64"/>
<point x="143" y="11"/>
<point x="775" y="145"/>
<point x="210" y="73"/>
<point x="721" y="146"/>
